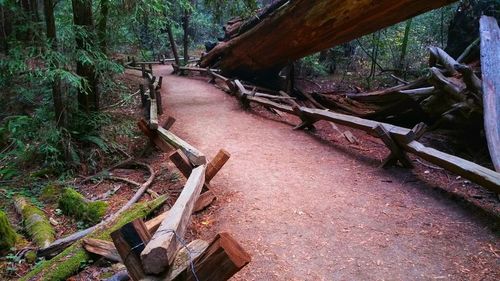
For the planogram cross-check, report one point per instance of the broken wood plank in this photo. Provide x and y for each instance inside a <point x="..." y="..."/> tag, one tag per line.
<point x="158" y="255"/>
<point x="205" y="200"/>
<point x="102" y="248"/>
<point x="214" y="166"/>
<point x="224" y="254"/>
<point x="129" y="241"/>
<point x="169" y="123"/>
<point x="181" y="161"/>
<point x="194" y="155"/>
<point x="490" y="66"/>
<point x="350" y="137"/>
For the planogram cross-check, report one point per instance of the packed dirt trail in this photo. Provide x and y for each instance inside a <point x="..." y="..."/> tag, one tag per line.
<point x="307" y="209"/>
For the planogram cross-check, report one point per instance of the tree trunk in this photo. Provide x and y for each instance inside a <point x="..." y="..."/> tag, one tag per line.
<point x="265" y="49"/>
<point x="5" y="28"/>
<point x="404" y="48"/>
<point x="173" y="46"/>
<point x="185" y="27"/>
<point x="102" y="25"/>
<point x="88" y="98"/>
<point x="50" y="22"/>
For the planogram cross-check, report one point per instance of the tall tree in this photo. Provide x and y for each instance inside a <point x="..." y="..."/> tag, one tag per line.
<point x="102" y="24"/>
<point x="5" y="27"/>
<point x="50" y="22"/>
<point x="404" y="47"/>
<point x="185" y="26"/>
<point x="170" y="33"/>
<point x="88" y="97"/>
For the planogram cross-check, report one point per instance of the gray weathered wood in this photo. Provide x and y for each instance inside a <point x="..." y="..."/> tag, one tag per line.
<point x="159" y="253"/>
<point x="194" y="155"/>
<point x="153" y="114"/>
<point x="490" y="66"/>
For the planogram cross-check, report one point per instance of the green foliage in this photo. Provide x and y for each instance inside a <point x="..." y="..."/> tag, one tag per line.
<point x="310" y="66"/>
<point x="223" y="9"/>
<point x="30" y="257"/>
<point x="74" y="204"/>
<point x="51" y="193"/>
<point x="7" y="234"/>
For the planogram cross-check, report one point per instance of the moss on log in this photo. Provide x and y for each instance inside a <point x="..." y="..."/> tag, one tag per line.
<point x="70" y="260"/>
<point x="35" y="222"/>
<point x="7" y="234"/>
<point x="51" y="193"/>
<point x="74" y="204"/>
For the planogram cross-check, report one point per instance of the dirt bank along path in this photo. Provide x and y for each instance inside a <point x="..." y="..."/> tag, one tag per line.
<point x="306" y="209"/>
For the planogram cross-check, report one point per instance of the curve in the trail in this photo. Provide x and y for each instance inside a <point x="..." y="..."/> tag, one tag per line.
<point x="307" y="210"/>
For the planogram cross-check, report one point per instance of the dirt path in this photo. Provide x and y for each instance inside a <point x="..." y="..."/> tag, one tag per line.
<point x="310" y="210"/>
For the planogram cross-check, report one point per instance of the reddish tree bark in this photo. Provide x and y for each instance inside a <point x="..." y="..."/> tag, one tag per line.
<point x="304" y="27"/>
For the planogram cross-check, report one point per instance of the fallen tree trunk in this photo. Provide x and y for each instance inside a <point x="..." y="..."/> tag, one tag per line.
<point x="490" y="65"/>
<point x="70" y="260"/>
<point x="35" y="222"/>
<point x="313" y="26"/>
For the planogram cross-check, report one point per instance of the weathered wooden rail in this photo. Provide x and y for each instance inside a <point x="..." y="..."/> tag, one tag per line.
<point x="399" y="140"/>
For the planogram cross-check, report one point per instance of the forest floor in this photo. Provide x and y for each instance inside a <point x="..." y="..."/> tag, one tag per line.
<point x="308" y="207"/>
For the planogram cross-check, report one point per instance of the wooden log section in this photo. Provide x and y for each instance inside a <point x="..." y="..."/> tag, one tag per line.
<point x="194" y="155"/>
<point x="102" y="248"/>
<point x="490" y="66"/>
<point x="316" y="25"/>
<point x="153" y="136"/>
<point x="169" y="123"/>
<point x="223" y="258"/>
<point x="214" y="166"/>
<point x="159" y="253"/>
<point x="205" y="200"/>
<point x="129" y="241"/>
<point x="153" y="114"/>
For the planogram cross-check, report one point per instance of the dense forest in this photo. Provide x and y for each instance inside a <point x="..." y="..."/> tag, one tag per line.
<point x="68" y="110"/>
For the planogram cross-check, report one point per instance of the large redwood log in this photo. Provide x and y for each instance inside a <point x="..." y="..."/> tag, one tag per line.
<point x="490" y="65"/>
<point x="303" y="27"/>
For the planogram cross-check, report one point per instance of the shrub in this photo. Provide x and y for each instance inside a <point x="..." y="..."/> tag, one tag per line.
<point x="74" y="204"/>
<point x="7" y="234"/>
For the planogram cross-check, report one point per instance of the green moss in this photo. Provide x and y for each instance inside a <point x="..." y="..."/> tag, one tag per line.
<point x="36" y="223"/>
<point x="70" y="260"/>
<point x="51" y="193"/>
<point x="8" y="236"/>
<point x="30" y="257"/>
<point x="74" y="204"/>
